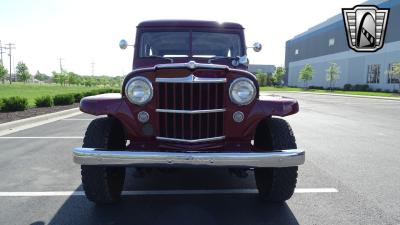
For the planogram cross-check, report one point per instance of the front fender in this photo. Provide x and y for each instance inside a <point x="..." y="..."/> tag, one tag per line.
<point x="274" y="105"/>
<point x="104" y="104"/>
<point x="115" y="105"/>
<point x="265" y="106"/>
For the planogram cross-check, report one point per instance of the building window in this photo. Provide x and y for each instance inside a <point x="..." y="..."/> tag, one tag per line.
<point x="296" y="52"/>
<point x="392" y="78"/>
<point x="374" y="71"/>
<point x="331" y="42"/>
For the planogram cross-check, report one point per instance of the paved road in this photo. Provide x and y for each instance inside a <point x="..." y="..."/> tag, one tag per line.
<point x="352" y="145"/>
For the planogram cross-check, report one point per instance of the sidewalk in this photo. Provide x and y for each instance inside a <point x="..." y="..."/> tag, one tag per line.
<point x="18" y="125"/>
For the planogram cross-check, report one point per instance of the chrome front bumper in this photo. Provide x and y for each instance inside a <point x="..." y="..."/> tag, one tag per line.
<point x="282" y="158"/>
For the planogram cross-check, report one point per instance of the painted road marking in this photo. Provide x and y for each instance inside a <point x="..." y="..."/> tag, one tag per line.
<point x="161" y="192"/>
<point x="52" y="137"/>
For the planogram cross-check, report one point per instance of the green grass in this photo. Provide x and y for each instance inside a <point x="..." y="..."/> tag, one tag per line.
<point x="32" y="91"/>
<point x="365" y="93"/>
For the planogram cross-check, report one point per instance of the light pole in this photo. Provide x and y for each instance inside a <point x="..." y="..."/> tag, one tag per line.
<point x="10" y="47"/>
<point x="93" y="63"/>
<point x="61" y="68"/>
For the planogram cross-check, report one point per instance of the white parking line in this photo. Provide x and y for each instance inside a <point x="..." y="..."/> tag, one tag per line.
<point x="161" y="192"/>
<point x="51" y="137"/>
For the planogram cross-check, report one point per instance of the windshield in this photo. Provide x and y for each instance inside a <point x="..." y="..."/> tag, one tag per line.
<point x="178" y="44"/>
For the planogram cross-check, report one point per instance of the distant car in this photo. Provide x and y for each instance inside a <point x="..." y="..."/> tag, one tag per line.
<point x="189" y="102"/>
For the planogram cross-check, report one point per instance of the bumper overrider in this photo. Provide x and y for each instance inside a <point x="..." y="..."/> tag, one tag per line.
<point x="278" y="158"/>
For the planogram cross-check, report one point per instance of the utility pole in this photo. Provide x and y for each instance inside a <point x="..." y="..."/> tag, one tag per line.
<point x="10" y="47"/>
<point x="93" y="63"/>
<point x="1" y="53"/>
<point x="61" y="68"/>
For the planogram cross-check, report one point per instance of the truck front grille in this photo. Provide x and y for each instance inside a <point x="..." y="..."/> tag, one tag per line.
<point x="190" y="112"/>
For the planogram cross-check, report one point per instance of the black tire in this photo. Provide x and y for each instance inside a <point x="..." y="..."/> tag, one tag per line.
<point x="103" y="185"/>
<point x="275" y="184"/>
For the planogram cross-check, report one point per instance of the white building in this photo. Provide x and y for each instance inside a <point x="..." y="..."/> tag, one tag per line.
<point x="327" y="43"/>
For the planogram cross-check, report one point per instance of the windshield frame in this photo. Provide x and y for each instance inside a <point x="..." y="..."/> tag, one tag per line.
<point x="238" y="32"/>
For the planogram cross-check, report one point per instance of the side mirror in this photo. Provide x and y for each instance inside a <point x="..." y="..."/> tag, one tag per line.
<point x="257" y="47"/>
<point x="123" y="44"/>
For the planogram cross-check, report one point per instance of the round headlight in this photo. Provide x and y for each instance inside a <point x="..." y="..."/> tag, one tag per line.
<point x="139" y="90"/>
<point x="242" y="91"/>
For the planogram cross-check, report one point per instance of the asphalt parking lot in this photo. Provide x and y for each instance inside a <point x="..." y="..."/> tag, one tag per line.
<point x="351" y="175"/>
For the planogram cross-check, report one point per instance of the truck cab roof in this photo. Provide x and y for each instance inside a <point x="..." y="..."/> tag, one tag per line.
<point x="189" y="23"/>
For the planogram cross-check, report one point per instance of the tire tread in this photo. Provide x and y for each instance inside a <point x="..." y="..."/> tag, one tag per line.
<point x="102" y="184"/>
<point x="276" y="184"/>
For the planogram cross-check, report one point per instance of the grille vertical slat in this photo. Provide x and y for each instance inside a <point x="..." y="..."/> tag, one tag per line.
<point x="208" y="115"/>
<point x="190" y="96"/>
<point x="174" y="106"/>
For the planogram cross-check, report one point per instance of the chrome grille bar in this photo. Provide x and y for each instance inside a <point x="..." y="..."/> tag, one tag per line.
<point x="190" y="111"/>
<point x="191" y="140"/>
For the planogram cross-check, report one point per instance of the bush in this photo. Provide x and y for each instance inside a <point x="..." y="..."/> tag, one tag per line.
<point x="78" y="97"/>
<point x="14" y="104"/>
<point x="64" y="99"/>
<point x="108" y="90"/>
<point x="378" y="90"/>
<point x="357" y="87"/>
<point x="44" y="101"/>
<point x="364" y="87"/>
<point x="347" y="87"/>
<point x="105" y="90"/>
<point x="361" y="87"/>
<point x="91" y="93"/>
<point x="316" y="87"/>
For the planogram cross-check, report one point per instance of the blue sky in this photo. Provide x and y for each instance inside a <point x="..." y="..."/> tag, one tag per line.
<point x="82" y="32"/>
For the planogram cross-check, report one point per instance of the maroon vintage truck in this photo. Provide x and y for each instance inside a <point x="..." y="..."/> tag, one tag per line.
<point x="189" y="102"/>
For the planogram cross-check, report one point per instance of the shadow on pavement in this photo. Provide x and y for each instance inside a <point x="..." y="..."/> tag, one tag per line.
<point x="241" y="209"/>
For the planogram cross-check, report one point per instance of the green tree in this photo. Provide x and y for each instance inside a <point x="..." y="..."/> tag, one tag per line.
<point x="3" y="73"/>
<point x="89" y="81"/>
<point x="306" y="74"/>
<point x="73" y="78"/>
<point x="332" y="74"/>
<point x="40" y="76"/>
<point x="278" y="75"/>
<point x="23" y="72"/>
<point x="261" y="77"/>
<point x="56" y="77"/>
<point x="60" y="78"/>
<point x="104" y="80"/>
<point x="117" y="81"/>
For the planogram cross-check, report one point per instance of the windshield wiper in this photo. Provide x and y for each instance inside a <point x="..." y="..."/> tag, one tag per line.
<point x="160" y="57"/>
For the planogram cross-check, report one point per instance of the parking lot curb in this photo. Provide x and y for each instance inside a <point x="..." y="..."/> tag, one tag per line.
<point x="18" y="125"/>
<point x="332" y="94"/>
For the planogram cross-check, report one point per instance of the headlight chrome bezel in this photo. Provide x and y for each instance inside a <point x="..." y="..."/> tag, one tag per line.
<point x="231" y="87"/>
<point x="145" y="80"/>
